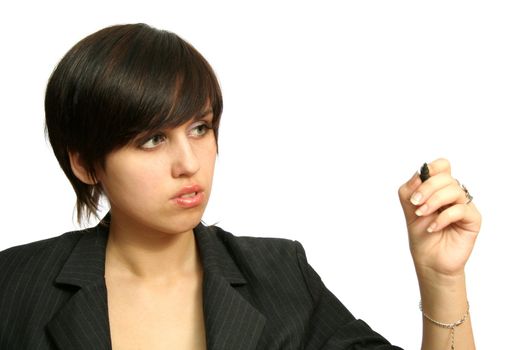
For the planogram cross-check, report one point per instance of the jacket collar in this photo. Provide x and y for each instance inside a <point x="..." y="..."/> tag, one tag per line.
<point x="231" y="321"/>
<point x="83" y="321"/>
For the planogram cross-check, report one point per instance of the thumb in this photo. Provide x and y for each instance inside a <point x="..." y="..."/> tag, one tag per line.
<point x="405" y="192"/>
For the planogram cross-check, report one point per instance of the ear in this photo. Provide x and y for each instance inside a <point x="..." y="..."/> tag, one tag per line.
<point x="80" y="170"/>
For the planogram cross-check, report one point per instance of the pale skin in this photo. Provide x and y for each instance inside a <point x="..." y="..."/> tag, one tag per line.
<point x="153" y="271"/>
<point x="442" y="230"/>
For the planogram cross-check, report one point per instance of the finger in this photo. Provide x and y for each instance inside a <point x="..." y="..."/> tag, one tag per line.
<point x="466" y="216"/>
<point x="429" y="187"/>
<point x="408" y="187"/>
<point x="440" y="165"/>
<point x="440" y="199"/>
<point x="404" y="193"/>
<point x="448" y="216"/>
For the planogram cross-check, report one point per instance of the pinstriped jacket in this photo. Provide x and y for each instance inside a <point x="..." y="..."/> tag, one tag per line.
<point x="258" y="293"/>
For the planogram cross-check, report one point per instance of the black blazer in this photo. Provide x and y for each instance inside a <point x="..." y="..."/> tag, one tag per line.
<point x="258" y="293"/>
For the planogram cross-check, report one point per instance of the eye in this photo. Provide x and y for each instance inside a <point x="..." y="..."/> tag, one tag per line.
<point x="200" y="129"/>
<point x="153" y="141"/>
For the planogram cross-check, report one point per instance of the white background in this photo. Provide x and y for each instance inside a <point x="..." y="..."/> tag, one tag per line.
<point x="328" y="110"/>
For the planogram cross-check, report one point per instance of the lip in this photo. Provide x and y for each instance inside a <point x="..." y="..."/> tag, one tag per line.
<point x="188" y="189"/>
<point x="190" y="201"/>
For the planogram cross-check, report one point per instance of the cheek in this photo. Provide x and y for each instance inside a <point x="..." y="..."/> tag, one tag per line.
<point x="207" y="167"/>
<point x="207" y="156"/>
<point x="133" y="183"/>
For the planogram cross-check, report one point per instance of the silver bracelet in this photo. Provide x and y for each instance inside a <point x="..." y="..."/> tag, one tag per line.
<point x="451" y="326"/>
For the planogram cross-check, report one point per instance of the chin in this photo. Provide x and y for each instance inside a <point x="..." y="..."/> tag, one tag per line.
<point x="163" y="220"/>
<point x="182" y="223"/>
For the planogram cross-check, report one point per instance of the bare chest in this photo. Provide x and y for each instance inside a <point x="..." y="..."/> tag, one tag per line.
<point x="158" y="318"/>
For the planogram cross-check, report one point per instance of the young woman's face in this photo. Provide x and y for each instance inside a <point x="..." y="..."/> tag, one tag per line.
<point x="143" y="180"/>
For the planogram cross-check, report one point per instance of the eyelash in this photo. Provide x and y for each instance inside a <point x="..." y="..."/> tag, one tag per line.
<point x="205" y="125"/>
<point x="206" y="128"/>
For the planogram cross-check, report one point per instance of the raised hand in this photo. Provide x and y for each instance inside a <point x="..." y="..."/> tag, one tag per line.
<point x="442" y="221"/>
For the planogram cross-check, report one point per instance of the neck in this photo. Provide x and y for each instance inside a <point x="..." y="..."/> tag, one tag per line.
<point x="137" y="252"/>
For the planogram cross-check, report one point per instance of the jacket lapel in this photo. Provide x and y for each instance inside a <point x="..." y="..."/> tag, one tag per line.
<point x="83" y="322"/>
<point x="232" y="323"/>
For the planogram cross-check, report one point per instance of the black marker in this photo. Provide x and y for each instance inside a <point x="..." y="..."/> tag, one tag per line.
<point x="424" y="174"/>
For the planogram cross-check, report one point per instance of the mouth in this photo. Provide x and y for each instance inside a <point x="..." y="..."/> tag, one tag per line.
<point x="188" y="191"/>
<point x="189" y="200"/>
<point x="189" y="196"/>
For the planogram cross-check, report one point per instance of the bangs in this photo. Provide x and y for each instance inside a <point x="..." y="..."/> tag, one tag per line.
<point x="126" y="80"/>
<point x="171" y="84"/>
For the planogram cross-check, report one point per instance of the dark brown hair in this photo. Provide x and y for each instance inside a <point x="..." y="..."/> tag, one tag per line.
<point x="117" y="83"/>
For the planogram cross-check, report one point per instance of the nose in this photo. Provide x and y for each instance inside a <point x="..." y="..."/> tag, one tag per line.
<point x="184" y="161"/>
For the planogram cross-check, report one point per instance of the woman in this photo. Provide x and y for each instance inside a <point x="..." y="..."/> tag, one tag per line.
<point x="133" y="114"/>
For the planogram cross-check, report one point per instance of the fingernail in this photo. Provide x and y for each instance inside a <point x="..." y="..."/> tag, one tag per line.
<point x="432" y="227"/>
<point x="416" y="198"/>
<point x="421" y="210"/>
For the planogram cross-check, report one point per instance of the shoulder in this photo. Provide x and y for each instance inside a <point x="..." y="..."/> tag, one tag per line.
<point x="31" y="259"/>
<point x="261" y="251"/>
<point x="288" y="290"/>
<point x="279" y="247"/>
<point x="277" y="263"/>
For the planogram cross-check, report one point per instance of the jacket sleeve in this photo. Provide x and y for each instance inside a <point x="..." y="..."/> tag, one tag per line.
<point x="331" y="325"/>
